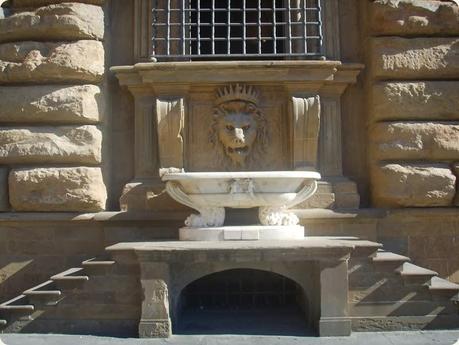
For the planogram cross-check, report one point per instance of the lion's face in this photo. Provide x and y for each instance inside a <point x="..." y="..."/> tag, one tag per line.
<point x="237" y="130"/>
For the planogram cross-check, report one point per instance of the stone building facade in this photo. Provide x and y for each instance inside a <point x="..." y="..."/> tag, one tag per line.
<point x="79" y="165"/>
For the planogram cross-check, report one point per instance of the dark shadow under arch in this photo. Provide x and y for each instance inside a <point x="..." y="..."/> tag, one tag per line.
<point x="243" y="301"/>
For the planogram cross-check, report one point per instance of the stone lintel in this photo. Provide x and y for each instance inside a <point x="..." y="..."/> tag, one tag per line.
<point x="311" y="249"/>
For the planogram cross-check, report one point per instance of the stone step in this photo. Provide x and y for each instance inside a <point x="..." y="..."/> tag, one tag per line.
<point x="96" y="266"/>
<point x="440" y="284"/>
<point x="441" y="288"/>
<point x="19" y="305"/>
<point x="363" y="248"/>
<point x="415" y="275"/>
<point x="388" y="261"/>
<point x="408" y="269"/>
<point x="44" y="294"/>
<point x="70" y="279"/>
<point x="383" y="256"/>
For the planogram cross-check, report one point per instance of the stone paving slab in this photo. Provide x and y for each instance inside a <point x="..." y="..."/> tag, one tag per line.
<point x="382" y="338"/>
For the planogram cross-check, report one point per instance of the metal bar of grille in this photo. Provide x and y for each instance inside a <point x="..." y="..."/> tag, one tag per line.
<point x="199" y="25"/>
<point x="168" y="28"/>
<point x="274" y="27"/>
<point x="213" y="27"/>
<point x="289" y="27"/>
<point x="305" y="26"/>
<point x="228" y="37"/>
<point x="244" y="27"/>
<point x="259" y="26"/>
<point x="206" y="29"/>
<point x="319" y="9"/>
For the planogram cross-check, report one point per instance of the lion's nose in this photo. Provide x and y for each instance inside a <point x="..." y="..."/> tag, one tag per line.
<point x="239" y="133"/>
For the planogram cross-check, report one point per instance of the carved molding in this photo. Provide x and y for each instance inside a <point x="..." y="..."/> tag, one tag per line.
<point x="170" y="117"/>
<point x="305" y="114"/>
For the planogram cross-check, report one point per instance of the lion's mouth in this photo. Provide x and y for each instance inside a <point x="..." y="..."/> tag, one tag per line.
<point x="243" y="150"/>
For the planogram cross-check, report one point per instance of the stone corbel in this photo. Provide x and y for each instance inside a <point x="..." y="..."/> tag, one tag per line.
<point x="159" y="122"/>
<point x="305" y="114"/>
<point x="170" y="117"/>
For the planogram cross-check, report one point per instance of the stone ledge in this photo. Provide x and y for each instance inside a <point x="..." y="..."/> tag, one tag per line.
<point x="65" y="22"/>
<point x="82" y="145"/>
<point x="415" y="58"/>
<point x="413" y="17"/>
<point x="40" y="62"/>
<point x="76" y="189"/>
<point x="79" y="104"/>
<point x="426" y="100"/>
<point x="308" y="215"/>
<point x="422" y="141"/>
<point x="38" y="3"/>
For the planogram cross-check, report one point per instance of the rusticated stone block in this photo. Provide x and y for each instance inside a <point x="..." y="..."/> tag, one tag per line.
<point x="37" y="3"/>
<point x="456" y="172"/>
<point x="4" y="205"/>
<point x="415" y="58"/>
<point x="78" y="189"/>
<point x="415" y="141"/>
<point x="40" y="62"/>
<point x="82" y="145"/>
<point x="413" y="185"/>
<point x="51" y="104"/>
<point x="68" y="21"/>
<point x="409" y="17"/>
<point x="429" y="100"/>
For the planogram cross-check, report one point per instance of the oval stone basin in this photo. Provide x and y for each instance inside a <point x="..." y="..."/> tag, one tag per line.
<point x="243" y="189"/>
<point x="272" y="191"/>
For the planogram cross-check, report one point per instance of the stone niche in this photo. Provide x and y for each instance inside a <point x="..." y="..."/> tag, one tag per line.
<point x="175" y="107"/>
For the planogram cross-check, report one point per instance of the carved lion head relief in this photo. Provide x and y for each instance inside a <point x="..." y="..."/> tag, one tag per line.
<point x="238" y="131"/>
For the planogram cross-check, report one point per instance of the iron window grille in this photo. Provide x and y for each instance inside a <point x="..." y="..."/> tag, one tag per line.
<point x="219" y="29"/>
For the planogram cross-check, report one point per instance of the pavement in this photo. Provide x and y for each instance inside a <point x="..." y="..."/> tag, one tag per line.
<point x="382" y="338"/>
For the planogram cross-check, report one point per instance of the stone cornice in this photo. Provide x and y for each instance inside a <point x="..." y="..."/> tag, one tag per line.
<point x="333" y="76"/>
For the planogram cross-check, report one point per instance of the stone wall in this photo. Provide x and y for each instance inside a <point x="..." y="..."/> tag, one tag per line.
<point x="413" y="102"/>
<point x="52" y="68"/>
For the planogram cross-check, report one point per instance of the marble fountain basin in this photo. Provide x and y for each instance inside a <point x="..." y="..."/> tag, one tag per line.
<point x="274" y="192"/>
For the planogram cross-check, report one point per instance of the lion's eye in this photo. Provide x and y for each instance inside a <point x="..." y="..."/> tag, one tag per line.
<point x="245" y="128"/>
<point x="229" y="127"/>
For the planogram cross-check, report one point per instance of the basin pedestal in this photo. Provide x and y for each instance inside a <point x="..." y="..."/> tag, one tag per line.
<point x="242" y="233"/>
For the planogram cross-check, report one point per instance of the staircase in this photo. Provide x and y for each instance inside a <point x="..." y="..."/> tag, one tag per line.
<point x="23" y="309"/>
<point x="386" y="292"/>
